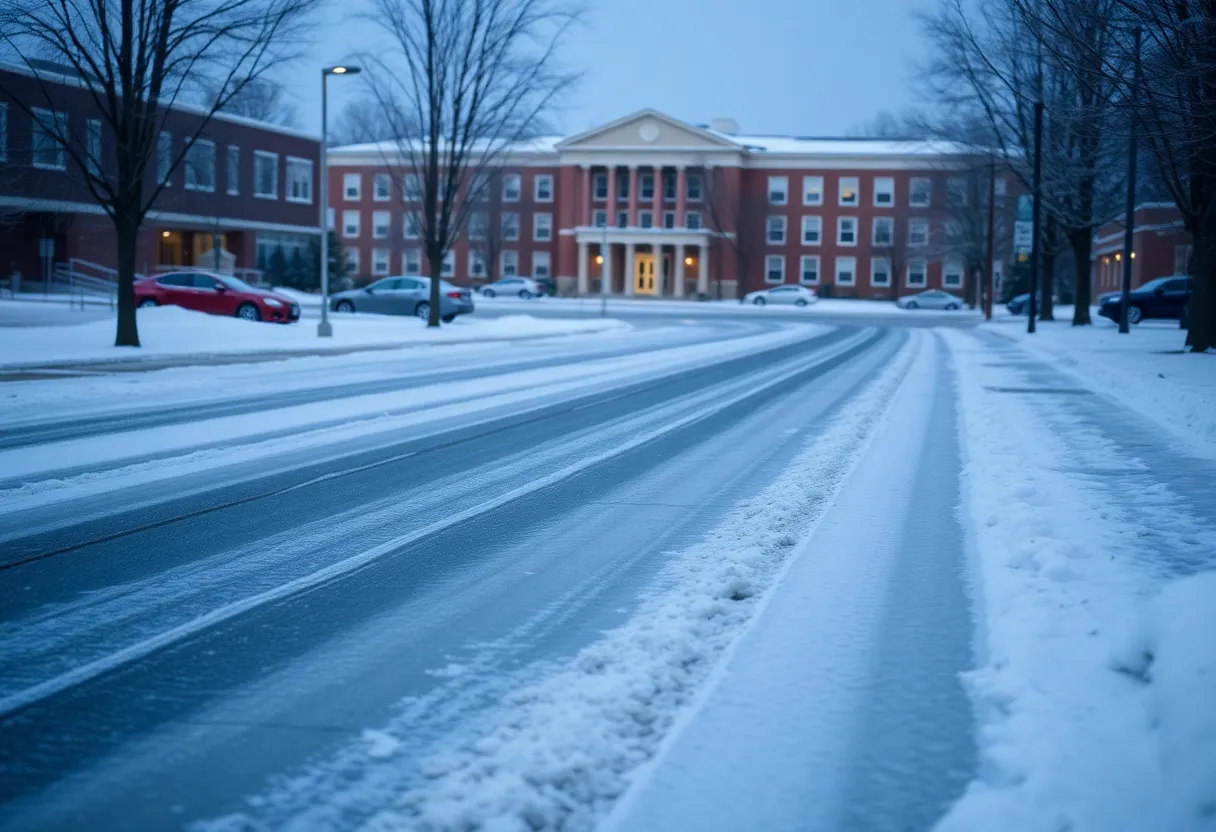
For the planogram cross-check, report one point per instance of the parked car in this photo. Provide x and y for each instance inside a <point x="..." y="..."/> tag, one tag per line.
<point x="522" y="287"/>
<point x="216" y="294"/>
<point x="409" y="295"/>
<point x="1020" y="304"/>
<point x="795" y="295"/>
<point x="1165" y="297"/>
<point x="931" y="299"/>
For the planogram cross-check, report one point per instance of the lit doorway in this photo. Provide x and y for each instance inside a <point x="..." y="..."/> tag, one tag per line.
<point x="643" y="274"/>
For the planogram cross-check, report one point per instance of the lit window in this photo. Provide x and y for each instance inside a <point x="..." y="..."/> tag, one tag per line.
<point x="510" y="263"/>
<point x="544" y="188"/>
<point x="265" y="174"/>
<point x="884" y="231"/>
<point x="812" y="231"/>
<point x="382" y="187"/>
<point x="380" y="224"/>
<point x="884" y="191"/>
<point x="774" y="269"/>
<point x="541" y="264"/>
<point x="846" y="271"/>
<point x="809" y="268"/>
<point x="880" y="271"/>
<point x="352" y="186"/>
<point x="916" y="273"/>
<point x="778" y="190"/>
<point x="812" y="190"/>
<point x="350" y="224"/>
<point x="774" y="231"/>
<point x="918" y="232"/>
<point x="850" y="187"/>
<point x="846" y="231"/>
<point x="542" y="228"/>
<point x="379" y="261"/>
<point x="299" y="179"/>
<point x="919" y="191"/>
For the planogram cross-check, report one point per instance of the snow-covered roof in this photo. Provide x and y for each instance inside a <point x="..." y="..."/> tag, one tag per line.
<point x="540" y="145"/>
<point x="807" y="146"/>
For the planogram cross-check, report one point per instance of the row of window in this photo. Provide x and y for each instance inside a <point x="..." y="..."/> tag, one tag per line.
<point x="646" y="184"/>
<point x="478" y="229"/>
<point x="847" y="231"/>
<point x="411" y="263"/>
<point x="915" y="274"/>
<point x="382" y="184"/>
<point x="692" y="219"/>
<point x="848" y="191"/>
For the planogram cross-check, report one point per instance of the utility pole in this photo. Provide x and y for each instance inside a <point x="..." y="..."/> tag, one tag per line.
<point x="990" y="280"/>
<point x="1129" y="221"/>
<point x="1037" y="216"/>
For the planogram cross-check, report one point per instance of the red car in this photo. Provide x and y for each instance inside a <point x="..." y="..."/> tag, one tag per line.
<point x="216" y="294"/>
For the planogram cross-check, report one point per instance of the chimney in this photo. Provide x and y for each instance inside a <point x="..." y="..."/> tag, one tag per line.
<point x="724" y="125"/>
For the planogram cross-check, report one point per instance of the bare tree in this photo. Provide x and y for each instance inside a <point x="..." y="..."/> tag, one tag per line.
<point x="261" y="99"/>
<point x="135" y="59"/>
<point x="489" y="225"/>
<point x="362" y="121"/>
<point x="736" y="221"/>
<point x="464" y="81"/>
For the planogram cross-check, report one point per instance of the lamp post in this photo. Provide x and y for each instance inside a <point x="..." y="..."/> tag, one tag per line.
<point x="1129" y="222"/>
<point x="324" y="329"/>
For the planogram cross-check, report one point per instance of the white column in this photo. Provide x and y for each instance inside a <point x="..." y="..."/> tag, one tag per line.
<point x="629" y="270"/>
<point x="703" y="269"/>
<point x="658" y="269"/>
<point x="583" y="283"/>
<point x="606" y="270"/>
<point x="677" y="290"/>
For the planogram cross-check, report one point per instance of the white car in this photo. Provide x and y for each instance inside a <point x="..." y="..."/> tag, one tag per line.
<point x="932" y="299"/>
<point x="521" y="287"/>
<point x="792" y="295"/>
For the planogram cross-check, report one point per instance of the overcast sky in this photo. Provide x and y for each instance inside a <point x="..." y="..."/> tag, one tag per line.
<point x="801" y="67"/>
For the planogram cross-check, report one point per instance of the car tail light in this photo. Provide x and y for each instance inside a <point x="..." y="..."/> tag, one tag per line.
<point x="455" y="295"/>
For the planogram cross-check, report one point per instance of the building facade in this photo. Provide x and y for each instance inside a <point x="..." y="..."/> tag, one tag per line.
<point x="249" y="186"/>
<point x="649" y="205"/>
<point x="1161" y="247"/>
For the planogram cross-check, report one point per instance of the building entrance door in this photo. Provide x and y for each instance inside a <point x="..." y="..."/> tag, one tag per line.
<point x="643" y="274"/>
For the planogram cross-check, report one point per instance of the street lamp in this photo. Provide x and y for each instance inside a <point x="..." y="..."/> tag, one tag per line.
<point x="324" y="329"/>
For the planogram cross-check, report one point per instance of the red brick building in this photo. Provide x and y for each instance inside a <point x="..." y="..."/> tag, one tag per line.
<point x="250" y="184"/>
<point x="649" y="205"/>
<point x="1160" y="247"/>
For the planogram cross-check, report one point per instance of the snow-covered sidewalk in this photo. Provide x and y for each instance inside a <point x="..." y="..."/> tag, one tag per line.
<point x="171" y="331"/>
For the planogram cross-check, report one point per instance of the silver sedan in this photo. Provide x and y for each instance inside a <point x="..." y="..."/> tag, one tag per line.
<point x="932" y="299"/>
<point x="404" y="296"/>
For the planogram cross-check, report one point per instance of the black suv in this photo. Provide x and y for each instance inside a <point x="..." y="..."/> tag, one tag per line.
<point x="1165" y="297"/>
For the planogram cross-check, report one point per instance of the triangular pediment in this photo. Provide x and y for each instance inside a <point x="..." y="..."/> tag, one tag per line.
<point x="645" y="130"/>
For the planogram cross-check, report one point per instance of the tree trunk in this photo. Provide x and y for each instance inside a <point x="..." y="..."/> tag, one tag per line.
<point x="1047" y="284"/>
<point x="435" y="259"/>
<point x="1082" y="246"/>
<point x="127" y="232"/>
<point x="1202" y="333"/>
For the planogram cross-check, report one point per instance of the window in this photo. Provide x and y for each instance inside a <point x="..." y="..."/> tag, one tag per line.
<point x="880" y="271"/>
<point x="846" y="231"/>
<point x="778" y="190"/>
<point x="669" y="188"/>
<point x="669" y="219"/>
<point x="477" y="265"/>
<point x="234" y="172"/>
<point x="350" y="224"/>
<point x="1182" y="258"/>
<point x="478" y="225"/>
<point x="646" y="187"/>
<point x="543" y="187"/>
<point x="447" y="267"/>
<point x="999" y="188"/>
<point x="3" y="132"/>
<point x="600" y="219"/>
<point x="379" y="261"/>
<point x="812" y="190"/>
<point x="952" y="274"/>
<point x="646" y="219"/>
<point x="692" y="219"/>
<point x="884" y="191"/>
<point x="601" y="187"/>
<point x="352" y="259"/>
<point x="542" y="227"/>
<point x="164" y="154"/>
<point x="352" y="186"/>
<point x="694" y="187"/>
<point x="93" y="149"/>
<point x="812" y="231"/>
<point x="622" y="219"/>
<point x="200" y="165"/>
<point x="774" y="231"/>
<point x="382" y="186"/>
<point x="265" y="174"/>
<point x="850" y="188"/>
<point x="808" y="269"/>
<point x="541" y="264"/>
<point x="411" y="187"/>
<point x="299" y="179"/>
<point x="510" y="263"/>
<point x="919" y="191"/>
<point x="774" y="269"/>
<point x="512" y="184"/>
<point x="622" y="187"/>
<point x="510" y="226"/>
<point x="846" y="271"/>
<point x="411" y="261"/>
<point x="956" y="191"/>
<point x="411" y="229"/>
<point x="918" y="232"/>
<point x="916" y="273"/>
<point x="884" y="231"/>
<point x="48" y="128"/>
<point x="380" y="224"/>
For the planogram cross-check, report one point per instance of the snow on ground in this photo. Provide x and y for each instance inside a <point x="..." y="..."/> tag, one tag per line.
<point x="825" y="306"/>
<point x="1145" y="369"/>
<point x="170" y="330"/>
<point x="1095" y="703"/>
<point x="562" y="750"/>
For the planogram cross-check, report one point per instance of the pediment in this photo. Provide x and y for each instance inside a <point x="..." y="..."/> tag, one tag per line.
<point x="647" y="130"/>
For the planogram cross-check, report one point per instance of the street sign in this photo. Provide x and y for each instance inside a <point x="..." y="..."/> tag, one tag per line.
<point x="1023" y="236"/>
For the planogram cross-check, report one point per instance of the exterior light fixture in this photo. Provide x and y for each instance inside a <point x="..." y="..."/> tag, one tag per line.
<point x="688" y="261"/>
<point x="599" y="259"/>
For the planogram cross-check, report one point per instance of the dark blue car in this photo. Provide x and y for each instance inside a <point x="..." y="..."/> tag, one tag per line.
<point x="1165" y="297"/>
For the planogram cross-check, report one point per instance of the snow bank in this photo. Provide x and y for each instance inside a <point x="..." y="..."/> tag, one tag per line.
<point x="171" y="330"/>
<point x="562" y="750"/>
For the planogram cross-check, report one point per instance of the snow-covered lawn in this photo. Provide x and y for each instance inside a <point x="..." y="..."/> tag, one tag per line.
<point x="172" y="331"/>
<point x="825" y="306"/>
